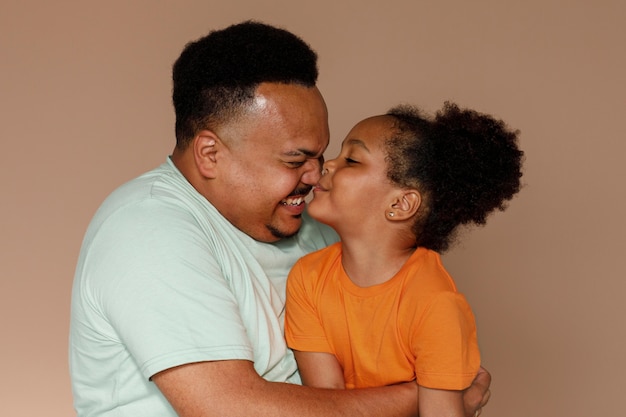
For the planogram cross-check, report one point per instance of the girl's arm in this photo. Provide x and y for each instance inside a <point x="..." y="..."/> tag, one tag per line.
<point x="319" y="369"/>
<point x="440" y="403"/>
<point x="322" y="370"/>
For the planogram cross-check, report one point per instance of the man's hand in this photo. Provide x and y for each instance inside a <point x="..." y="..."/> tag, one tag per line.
<point x="477" y="395"/>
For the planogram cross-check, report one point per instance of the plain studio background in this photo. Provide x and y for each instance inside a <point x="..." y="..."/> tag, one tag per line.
<point x="85" y="105"/>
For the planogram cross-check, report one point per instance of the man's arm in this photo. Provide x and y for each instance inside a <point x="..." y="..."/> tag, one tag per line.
<point x="233" y="388"/>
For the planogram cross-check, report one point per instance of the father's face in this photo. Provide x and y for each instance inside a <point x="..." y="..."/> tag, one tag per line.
<point x="273" y="160"/>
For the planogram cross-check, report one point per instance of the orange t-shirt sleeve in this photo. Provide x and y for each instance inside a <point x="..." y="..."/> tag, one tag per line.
<point x="445" y="344"/>
<point x="303" y="329"/>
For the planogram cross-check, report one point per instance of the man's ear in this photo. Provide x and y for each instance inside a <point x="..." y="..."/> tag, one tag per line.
<point x="405" y="205"/>
<point x="205" y="146"/>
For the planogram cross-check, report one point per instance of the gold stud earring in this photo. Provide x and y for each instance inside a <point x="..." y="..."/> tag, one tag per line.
<point x="391" y="214"/>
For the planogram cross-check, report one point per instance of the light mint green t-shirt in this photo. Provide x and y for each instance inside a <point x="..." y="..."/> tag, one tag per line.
<point x="164" y="280"/>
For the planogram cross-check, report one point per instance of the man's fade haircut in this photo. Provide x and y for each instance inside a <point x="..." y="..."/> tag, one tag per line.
<point x="216" y="76"/>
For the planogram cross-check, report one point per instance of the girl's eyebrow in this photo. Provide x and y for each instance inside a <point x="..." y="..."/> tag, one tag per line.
<point x="355" y="142"/>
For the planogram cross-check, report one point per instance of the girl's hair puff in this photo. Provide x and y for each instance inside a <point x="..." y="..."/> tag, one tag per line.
<point x="464" y="163"/>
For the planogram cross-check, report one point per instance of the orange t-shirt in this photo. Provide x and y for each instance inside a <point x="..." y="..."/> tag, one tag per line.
<point x="413" y="326"/>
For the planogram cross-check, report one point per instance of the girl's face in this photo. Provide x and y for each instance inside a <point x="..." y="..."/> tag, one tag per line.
<point x="354" y="191"/>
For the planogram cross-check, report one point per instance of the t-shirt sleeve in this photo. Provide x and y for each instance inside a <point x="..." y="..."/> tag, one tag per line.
<point x="445" y="344"/>
<point x="303" y="329"/>
<point x="162" y="291"/>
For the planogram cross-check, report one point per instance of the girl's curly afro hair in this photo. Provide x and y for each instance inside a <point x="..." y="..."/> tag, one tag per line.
<point x="464" y="163"/>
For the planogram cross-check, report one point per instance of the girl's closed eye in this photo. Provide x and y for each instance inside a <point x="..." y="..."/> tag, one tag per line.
<point x="350" y="161"/>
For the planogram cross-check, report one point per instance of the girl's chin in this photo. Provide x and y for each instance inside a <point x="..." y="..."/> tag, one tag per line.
<point x="314" y="210"/>
<point x="319" y="216"/>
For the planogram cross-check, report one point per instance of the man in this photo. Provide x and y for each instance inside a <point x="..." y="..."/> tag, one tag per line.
<point x="177" y="304"/>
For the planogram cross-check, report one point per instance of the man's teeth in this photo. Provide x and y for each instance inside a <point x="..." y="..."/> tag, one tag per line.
<point x="292" y="201"/>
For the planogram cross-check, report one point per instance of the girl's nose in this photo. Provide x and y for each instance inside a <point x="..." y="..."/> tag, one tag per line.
<point x="327" y="166"/>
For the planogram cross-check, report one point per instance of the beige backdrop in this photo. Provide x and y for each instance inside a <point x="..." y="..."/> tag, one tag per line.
<point x="85" y="105"/>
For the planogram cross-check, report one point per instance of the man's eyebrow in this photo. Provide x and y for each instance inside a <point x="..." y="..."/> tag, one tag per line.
<point x="299" y="152"/>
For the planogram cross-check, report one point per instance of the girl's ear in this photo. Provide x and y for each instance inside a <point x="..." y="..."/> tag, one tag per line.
<point x="205" y="148"/>
<point x="405" y="205"/>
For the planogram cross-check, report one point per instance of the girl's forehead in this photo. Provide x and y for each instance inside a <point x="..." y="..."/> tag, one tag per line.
<point x="371" y="130"/>
<point x="381" y="121"/>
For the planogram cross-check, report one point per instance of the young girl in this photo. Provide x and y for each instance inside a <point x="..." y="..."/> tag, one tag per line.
<point x="378" y="308"/>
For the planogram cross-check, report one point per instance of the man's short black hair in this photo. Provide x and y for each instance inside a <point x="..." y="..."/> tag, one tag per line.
<point x="217" y="75"/>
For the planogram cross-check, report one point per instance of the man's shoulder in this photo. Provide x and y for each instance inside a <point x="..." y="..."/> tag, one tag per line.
<point x="149" y="199"/>
<point x="315" y="233"/>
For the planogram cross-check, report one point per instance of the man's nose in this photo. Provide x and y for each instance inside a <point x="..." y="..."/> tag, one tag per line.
<point x="313" y="170"/>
